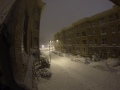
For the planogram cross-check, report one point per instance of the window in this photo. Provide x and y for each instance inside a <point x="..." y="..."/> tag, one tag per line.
<point x="114" y="52"/>
<point x="38" y="12"/>
<point x="90" y="42"/>
<point x="103" y="31"/>
<point x="102" y="21"/>
<point x="113" y="29"/>
<point x="89" y="32"/>
<point x="77" y="34"/>
<point x="36" y="42"/>
<point x="83" y="33"/>
<point x="78" y="41"/>
<point x="93" y="24"/>
<point x="117" y="16"/>
<point x="111" y="18"/>
<point x="119" y="28"/>
<point x="36" y="25"/>
<point x="104" y="41"/>
<point x="82" y="25"/>
<point x="119" y="40"/>
<point x="95" y="50"/>
<point x="94" y="32"/>
<point x="95" y="41"/>
<point x="84" y="50"/>
<point x="83" y="41"/>
<point x="88" y="25"/>
<point x="90" y="50"/>
<point x="114" y="41"/>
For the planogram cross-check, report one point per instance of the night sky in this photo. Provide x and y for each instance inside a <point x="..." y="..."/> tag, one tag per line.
<point x="58" y="14"/>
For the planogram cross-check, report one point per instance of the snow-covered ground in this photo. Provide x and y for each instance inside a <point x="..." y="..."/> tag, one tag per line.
<point x="77" y="75"/>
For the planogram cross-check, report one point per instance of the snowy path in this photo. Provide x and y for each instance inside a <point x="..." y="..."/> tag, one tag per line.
<point x="68" y="75"/>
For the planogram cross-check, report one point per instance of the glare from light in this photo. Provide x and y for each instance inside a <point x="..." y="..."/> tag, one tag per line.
<point x="43" y="46"/>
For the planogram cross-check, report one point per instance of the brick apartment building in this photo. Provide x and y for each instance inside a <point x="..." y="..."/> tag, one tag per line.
<point x="95" y="34"/>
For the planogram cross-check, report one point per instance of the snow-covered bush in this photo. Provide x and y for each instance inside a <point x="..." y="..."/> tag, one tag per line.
<point x="78" y="56"/>
<point x="96" y="57"/>
<point x="113" y="62"/>
<point x="81" y="59"/>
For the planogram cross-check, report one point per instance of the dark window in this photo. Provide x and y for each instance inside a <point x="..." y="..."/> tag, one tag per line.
<point x="90" y="50"/>
<point x="82" y="25"/>
<point x="104" y="41"/>
<point x="119" y="28"/>
<point x="103" y="31"/>
<point x="111" y="18"/>
<point x="84" y="50"/>
<point x="78" y="41"/>
<point x="37" y="25"/>
<point x="36" y="42"/>
<point x="83" y="33"/>
<point x="102" y="21"/>
<point x="83" y="41"/>
<point x="113" y="29"/>
<point x="90" y="41"/>
<point x="89" y="32"/>
<point x="119" y="41"/>
<point x="95" y="41"/>
<point x="38" y="12"/>
<point x="114" y="41"/>
<point x="94" y="32"/>
<point x="77" y="34"/>
<point x="117" y="16"/>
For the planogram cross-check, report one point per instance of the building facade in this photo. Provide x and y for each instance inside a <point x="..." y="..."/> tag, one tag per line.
<point x="96" y="34"/>
<point x="22" y="30"/>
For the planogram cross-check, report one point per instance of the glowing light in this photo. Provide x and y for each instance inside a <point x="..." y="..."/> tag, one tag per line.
<point x="43" y="46"/>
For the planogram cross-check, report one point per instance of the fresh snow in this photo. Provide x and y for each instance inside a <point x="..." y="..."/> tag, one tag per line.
<point x="72" y="75"/>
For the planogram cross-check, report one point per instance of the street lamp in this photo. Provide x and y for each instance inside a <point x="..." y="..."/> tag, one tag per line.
<point x="49" y="50"/>
<point x="57" y="44"/>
